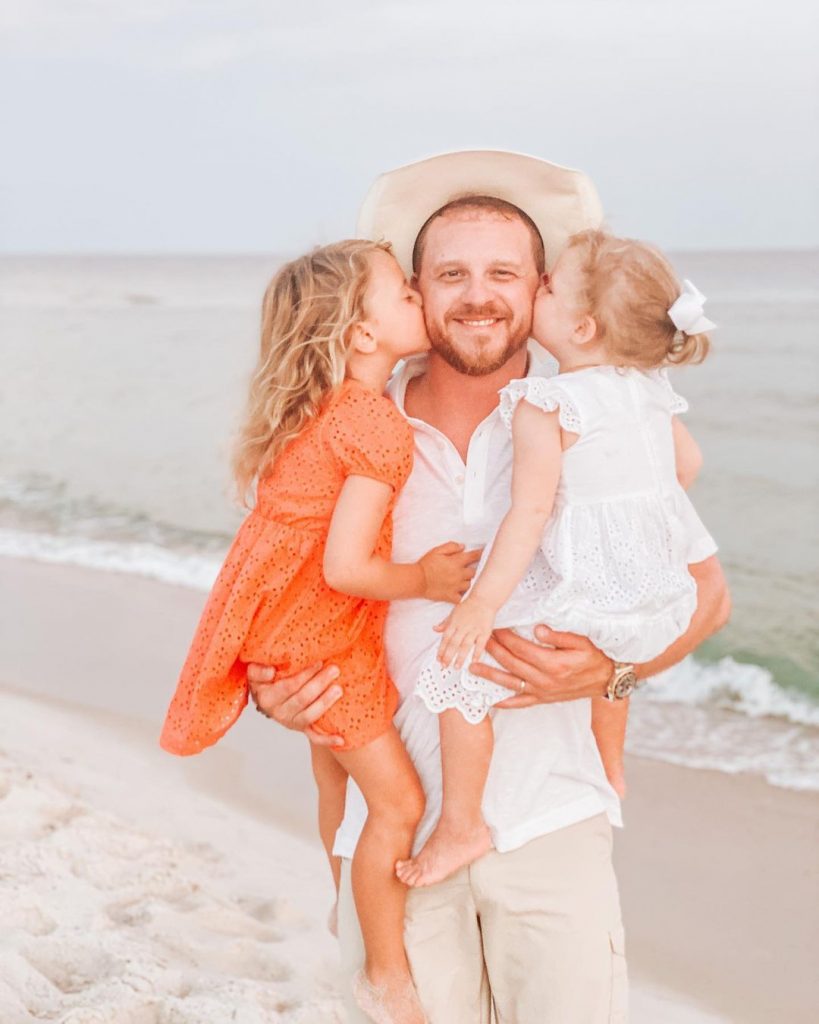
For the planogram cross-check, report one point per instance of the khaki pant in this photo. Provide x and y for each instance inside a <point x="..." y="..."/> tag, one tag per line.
<point x="532" y="936"/>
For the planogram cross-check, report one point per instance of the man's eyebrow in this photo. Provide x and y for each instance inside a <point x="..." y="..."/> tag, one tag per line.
<point x="504" y="261"/>
<point x="509" y="261"/>
<point x="440" y="264"/>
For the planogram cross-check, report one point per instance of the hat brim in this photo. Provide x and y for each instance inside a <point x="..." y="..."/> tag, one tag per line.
<point x="560" y="200"/>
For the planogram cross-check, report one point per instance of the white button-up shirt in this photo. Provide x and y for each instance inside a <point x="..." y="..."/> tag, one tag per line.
<point x="546" y="771"/>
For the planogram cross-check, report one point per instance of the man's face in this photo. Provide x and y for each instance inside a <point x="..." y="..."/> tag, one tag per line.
<point x="478" y="280"/>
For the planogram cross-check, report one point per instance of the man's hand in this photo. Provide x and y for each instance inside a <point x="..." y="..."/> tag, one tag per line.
<point x="570" y="668"/>
<point x="296" y="702"/>
<point x="573" y="667"/>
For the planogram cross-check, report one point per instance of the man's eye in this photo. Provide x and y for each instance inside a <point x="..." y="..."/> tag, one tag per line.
<point x="452" y="273"/>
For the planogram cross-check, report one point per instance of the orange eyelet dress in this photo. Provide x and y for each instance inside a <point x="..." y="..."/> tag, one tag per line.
<point x="270" y="603"/>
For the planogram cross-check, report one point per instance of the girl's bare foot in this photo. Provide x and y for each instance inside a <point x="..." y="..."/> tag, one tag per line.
<point x="446" y="851"/>
<point x="395" y="1001"/>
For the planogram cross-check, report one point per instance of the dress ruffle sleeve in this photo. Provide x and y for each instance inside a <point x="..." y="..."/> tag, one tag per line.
<point x="699" y="544"/>
<point x="262" y="563"/>
<point x="368" y="436"/>
<point x="676" y="403"/>
<point x="544" y="393"/>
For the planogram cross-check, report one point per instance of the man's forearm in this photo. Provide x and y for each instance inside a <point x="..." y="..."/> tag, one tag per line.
<point x="713" y="611"/>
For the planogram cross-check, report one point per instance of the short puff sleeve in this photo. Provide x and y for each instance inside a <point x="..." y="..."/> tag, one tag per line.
<point x="544" y="393"/>
<point x="676" y="403"/>
<point x="368" y="436"/>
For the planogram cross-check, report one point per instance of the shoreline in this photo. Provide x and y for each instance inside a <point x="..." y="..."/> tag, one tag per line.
<point x="722" y="713"/>
<point x="718" y="872"/>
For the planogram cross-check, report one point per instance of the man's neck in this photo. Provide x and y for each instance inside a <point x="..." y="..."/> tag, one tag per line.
<point x="456" y="403"/>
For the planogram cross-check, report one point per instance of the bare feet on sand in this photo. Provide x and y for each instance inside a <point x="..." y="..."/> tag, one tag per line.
<point x="445" y="852"/>
<point x="393" y="1002"/>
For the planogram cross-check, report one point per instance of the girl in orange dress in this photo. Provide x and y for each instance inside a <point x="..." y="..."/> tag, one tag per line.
<point x="308" y="576"/>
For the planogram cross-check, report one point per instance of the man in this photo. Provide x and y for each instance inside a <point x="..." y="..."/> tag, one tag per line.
<point x="531" y="932"/>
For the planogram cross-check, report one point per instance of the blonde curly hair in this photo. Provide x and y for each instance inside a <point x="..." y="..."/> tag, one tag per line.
<point x="307" y="312"/>
<point x="629" y="287"/>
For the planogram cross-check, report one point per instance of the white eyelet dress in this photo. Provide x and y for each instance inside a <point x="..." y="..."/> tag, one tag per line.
<point x="612" y="564"/>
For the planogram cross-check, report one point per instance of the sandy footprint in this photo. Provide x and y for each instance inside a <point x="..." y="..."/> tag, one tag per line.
<point x="71" y="963"/>
<point x="31" y="811"/>
<point x="25" y="916"/>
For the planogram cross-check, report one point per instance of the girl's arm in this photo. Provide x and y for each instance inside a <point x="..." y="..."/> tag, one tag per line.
<point x="687" y="454"/>
<point x="352" y="567"/>
<point x="536" y="441"/>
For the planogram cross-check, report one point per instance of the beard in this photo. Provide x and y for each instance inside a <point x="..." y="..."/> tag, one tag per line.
<point x="477" y="361"/>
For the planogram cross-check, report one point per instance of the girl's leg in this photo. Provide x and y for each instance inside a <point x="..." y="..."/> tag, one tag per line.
<point x="461" y="835"/>
<point x="386" y="777"/>
<point x="331" y="780"/>
<point x="609" y="728"/>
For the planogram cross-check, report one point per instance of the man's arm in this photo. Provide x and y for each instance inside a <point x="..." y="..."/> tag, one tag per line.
<point x="572" y="667"/>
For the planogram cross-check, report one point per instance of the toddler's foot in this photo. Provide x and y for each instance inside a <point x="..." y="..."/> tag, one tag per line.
<point x="445" y="852"/>
<point x="393" y="1002"/>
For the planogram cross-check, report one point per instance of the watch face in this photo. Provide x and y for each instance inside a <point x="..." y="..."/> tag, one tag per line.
<point x="624" y="686"/>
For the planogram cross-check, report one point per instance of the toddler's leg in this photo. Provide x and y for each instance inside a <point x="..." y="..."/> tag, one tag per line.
<point x="385" y="775"/>
<point x="461" y="835"/>
<point x="609" y="728"/>
<point x="331" y="780"/>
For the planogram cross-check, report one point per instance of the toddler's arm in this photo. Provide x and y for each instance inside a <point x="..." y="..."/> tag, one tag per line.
<point x="687" y="453"/>
<point x="537" y="449"/>
<point x="352" y="567"/>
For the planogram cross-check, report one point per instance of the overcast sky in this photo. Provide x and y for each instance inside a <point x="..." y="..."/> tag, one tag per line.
<point x="257" y="125"/>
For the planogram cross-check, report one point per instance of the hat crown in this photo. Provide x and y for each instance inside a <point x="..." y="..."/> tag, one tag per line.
<point x="560" y="200"/>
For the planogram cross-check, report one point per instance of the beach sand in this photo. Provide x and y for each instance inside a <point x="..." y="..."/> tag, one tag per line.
<point x="139" y="888"/>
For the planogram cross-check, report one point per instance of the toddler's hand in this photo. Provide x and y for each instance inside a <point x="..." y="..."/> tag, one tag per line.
<point x="467" y="628"/>
<point x="448" y="570"/>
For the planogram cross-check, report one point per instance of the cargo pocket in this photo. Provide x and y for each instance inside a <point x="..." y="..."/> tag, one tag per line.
<point x="618" y="1009"/>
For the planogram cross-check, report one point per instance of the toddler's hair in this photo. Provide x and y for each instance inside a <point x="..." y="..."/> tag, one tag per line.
<point x="307" y="312"/>
<point x="628" y="289"/>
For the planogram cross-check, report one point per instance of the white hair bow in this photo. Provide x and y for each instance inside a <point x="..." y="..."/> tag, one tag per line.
<point x="687" y="312"/>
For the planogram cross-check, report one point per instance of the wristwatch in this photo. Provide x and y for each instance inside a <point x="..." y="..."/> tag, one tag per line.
<point x="622" y="683"/>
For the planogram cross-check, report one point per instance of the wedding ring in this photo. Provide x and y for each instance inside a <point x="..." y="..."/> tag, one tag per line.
<point x="521" y="685"/>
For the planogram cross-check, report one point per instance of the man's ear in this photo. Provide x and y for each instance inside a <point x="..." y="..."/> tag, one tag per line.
<point x="362" y="337"/>
<point x="585" y="331"/>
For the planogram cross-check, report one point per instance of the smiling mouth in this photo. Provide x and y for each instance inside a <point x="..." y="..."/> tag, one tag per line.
<point x="487" y="322"/>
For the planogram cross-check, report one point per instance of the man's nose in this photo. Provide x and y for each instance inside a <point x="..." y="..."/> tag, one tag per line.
<point x="477" y="291"/>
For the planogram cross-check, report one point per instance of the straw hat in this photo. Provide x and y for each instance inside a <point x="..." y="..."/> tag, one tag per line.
<point x="559" y="200"/>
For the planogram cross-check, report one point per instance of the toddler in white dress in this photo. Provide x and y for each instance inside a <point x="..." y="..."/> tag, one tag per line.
<point x="600" y="532"/>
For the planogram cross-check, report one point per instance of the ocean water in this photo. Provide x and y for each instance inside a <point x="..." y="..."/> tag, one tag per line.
<point x="123" y="380"/>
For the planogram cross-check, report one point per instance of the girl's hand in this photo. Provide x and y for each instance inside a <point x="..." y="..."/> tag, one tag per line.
<point x="467" y="628"/>
<point x="448" y="571"/>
